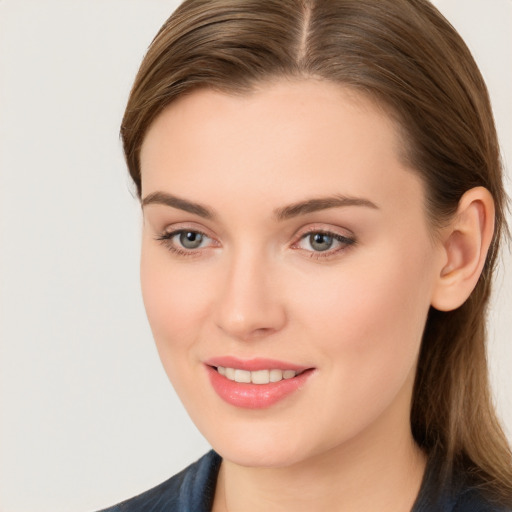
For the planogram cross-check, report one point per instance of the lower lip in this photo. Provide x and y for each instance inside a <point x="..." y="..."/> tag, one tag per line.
<point x="255" y="396"/>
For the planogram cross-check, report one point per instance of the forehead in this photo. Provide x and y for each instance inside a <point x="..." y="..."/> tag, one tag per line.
<point x="286" y="103"/>
<point x="286" y="135"/>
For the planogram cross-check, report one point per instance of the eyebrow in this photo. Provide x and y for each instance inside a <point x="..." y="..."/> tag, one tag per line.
<point x="179" y="203"/>
<point x="284" y="213"/>
<point x="321" y="203"/>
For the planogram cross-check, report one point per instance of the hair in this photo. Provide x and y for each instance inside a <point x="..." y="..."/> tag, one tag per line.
<point x="405" y="55"/>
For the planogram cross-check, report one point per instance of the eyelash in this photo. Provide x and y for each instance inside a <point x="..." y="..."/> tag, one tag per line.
<point x="166" y="240"/>
<point x="346" y="242"/>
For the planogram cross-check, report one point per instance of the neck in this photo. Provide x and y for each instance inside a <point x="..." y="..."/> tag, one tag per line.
<point x="335" y="485"/>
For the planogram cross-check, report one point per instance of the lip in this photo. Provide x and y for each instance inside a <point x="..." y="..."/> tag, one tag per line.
<point x="255" y="396"/>
<point x="253" y="365"/>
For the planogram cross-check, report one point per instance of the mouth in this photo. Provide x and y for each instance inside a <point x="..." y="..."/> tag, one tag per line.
<point x="257" y="376"/>
<point x="256" y="384"/>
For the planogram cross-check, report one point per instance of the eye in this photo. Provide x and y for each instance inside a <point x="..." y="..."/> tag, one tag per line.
<point x="318" y="242"/>
<point x="185" y="241"/>
<point x="190" y="239"/>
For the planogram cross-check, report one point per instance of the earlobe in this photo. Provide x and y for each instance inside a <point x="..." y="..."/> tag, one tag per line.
<point x="465" y="243"/>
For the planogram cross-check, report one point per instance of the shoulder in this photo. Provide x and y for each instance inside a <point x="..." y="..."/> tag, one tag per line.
<point x="472" y="500"/>
<point x="455" y="494"/>
<point x="191" y="489"/>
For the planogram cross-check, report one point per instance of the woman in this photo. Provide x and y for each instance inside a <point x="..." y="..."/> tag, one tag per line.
<point x="323" y="206"/>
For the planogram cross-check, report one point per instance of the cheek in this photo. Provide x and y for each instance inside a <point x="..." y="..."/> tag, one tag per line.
<point x="368" y="319"/>
<point x="357" y="300"/>
<point x="175" y="299"/>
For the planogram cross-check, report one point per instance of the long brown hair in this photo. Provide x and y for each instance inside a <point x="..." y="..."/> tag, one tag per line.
<point x="404" y="54"/>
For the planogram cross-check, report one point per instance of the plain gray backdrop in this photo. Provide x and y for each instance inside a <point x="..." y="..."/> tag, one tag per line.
<point x="87" y="417"/>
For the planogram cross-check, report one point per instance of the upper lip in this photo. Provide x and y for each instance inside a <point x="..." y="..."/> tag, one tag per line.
<point x="255" y="364"/>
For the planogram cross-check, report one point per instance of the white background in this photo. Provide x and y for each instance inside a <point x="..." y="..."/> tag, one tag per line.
<point x="87" y="417"/>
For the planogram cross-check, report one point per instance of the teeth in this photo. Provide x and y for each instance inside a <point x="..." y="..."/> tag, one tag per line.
<point x="256" y="377"/>
<point x="276" y="375"/>
<point x="260" y="377"/>
<point x="242" y="376"/>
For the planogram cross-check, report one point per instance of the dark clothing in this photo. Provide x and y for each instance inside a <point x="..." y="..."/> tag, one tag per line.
<point x="193" y="489"/>
<point x="459" y="496"/>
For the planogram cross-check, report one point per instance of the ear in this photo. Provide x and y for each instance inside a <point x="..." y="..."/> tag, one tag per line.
<point x="465" y="243"/>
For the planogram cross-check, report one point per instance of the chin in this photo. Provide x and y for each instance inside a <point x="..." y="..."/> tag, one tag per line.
<point x="256" y="458"/>
<point x="250" y="449"/>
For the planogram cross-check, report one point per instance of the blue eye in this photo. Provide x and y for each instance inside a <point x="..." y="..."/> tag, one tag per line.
<point x="190" y="239"/>
<point x="320" y="241"/>
<point x="324" y="242"/>
<point x="185" y="241"/>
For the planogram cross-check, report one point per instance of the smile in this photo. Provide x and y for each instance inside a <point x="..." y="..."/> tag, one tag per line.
<point x="256" y="383"/>
<point x="256" y="377"/>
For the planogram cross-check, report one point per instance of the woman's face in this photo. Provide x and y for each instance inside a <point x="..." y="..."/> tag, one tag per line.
<point x="285" y="241"/>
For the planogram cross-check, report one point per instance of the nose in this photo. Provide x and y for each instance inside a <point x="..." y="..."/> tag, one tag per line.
<point x="250" y="304"/>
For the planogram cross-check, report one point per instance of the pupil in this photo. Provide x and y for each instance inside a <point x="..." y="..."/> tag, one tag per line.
<point x="321" y="242"/>
<point x="191" y="239"/>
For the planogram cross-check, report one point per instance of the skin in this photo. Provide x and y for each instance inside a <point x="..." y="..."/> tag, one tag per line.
<point x="256" y="287"/>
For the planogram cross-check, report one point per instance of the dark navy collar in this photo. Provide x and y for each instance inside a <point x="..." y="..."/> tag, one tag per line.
<point x="193" y="490"/>
<point x="198" y="487"/>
